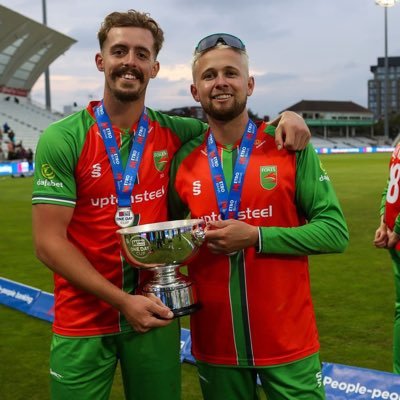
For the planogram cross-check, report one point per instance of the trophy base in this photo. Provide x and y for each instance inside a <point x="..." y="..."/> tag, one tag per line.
<point x="186" y="310"/>
<point x="179" y="297"/>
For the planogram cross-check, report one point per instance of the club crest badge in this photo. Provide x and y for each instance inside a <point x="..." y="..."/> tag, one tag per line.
<point x="160" y="159"/>
<point x="269" y="176"/>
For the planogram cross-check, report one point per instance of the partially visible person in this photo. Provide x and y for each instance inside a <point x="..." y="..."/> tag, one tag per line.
<point x="29" y="155"/>
<point x="2" y="155"/>
<point x="10" y="150"/>
<point x="387" y="236"/>
<point x="266" y="210"/>
<point x="6" y="127"/>
<point x="100" y="169"/>
<point x="11" y="135"/>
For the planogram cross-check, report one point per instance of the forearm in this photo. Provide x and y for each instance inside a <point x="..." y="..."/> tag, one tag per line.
<point x="291" y="131"/>
<point x="275" y="122"/>
<point x="383" y="200"/>
<point x="317" y="238"/>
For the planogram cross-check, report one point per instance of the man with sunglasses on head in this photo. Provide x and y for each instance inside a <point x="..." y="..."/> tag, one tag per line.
<point x="98" y="170"/>
<point x="266" y="210"/>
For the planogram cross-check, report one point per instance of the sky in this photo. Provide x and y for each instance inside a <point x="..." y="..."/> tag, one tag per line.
<point x="298" y="49"/>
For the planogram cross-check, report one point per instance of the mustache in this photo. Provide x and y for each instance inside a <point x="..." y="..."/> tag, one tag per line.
<point x="127" y="70"/>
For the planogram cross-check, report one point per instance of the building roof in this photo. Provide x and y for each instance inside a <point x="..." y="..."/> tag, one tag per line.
<point x="392" y="62"/>
<point x="27" y="48"/>
<point x="327" y="106"/>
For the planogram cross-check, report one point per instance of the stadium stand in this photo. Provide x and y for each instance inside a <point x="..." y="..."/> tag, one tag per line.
<point x="27" y="48"/>
<point x="343" y="142"/>
<point x="25" y="118"/>
<point x="338" y="124"/>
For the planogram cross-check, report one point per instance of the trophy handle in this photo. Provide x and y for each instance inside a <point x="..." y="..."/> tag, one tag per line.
<point x="198" y="235"/>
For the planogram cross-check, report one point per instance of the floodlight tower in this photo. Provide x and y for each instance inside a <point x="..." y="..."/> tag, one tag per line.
<point x="386" y="4"/>
<point x="47" y="71"/>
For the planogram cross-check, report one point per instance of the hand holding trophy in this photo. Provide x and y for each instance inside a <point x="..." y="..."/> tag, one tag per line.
<point x="163" y="248"/>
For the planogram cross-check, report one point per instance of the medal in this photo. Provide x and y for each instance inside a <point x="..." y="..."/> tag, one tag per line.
<point x="229" y="200"/>
<point x="124" y="179"/>
<point x="124" y="217"/>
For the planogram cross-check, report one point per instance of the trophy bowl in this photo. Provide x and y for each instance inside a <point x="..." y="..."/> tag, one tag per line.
<point x="163" y="248"/>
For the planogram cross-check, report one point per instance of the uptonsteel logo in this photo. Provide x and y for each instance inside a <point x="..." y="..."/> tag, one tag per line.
<point x="247" y="214"/>
<point x="143" y="197"/>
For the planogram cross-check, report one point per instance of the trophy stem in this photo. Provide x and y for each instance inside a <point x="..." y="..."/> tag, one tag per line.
<point x="173" y="288"/>
<point x="165" y="275"/>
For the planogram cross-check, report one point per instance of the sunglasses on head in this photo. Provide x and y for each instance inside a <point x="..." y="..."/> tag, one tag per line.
<point x="212" y="40"/>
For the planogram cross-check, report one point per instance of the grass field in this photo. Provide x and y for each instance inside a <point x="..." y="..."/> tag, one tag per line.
<point x="353" y="292"/>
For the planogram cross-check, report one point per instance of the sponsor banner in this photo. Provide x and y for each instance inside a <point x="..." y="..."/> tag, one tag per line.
<point x="5" y="169"/>
<point x="340" y="122"/>
<point x="185" y="336"/>
<point x="14" y="91"/>
<point x="27" y="299"/>
<point x="43" y="307"/>
<point x="344" y="382"/>
<point x="17" y="295"/>
<point x="354" y="150"/>
<point x="16" y="168"/>
<point x="340" y="381"/>
<point x="186" y="353"/>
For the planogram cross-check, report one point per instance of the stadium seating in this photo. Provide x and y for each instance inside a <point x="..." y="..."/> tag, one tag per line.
<point x="25" y="118"/>
<point x="343" y="142"/>
<point x="28" y="120"/>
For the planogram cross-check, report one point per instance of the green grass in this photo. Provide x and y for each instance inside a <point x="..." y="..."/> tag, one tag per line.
<point x="353" y="292"/>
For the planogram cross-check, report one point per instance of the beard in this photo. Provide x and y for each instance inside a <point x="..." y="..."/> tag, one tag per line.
<point x="226" y="114"/>
<point x="126" y="94"/>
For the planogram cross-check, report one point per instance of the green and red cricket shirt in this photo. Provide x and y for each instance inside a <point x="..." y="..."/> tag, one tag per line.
<point x="72" y="170"/>
<point x="256" y="305"/>
<point x="391" y="194"/>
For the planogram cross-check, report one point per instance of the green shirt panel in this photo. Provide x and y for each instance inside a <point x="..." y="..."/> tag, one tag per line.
<point x="326" y="229"/>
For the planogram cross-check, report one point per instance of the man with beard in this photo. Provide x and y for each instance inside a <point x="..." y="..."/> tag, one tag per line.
<point x="98" y="170"/>
<point x="266" y="210"/>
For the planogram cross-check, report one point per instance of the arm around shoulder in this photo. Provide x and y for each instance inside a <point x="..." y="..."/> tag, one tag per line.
<point x="291" y="131"/>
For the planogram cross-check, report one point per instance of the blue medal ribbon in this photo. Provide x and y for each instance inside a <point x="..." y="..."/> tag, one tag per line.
<point x="124" y="180"/>
<point x="229" y="202"/>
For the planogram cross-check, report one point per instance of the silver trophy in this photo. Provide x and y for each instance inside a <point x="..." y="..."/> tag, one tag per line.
<point x="163" y="248"/>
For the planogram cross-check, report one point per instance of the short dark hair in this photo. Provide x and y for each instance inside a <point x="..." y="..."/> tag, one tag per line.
<point x="131" y="18"/>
